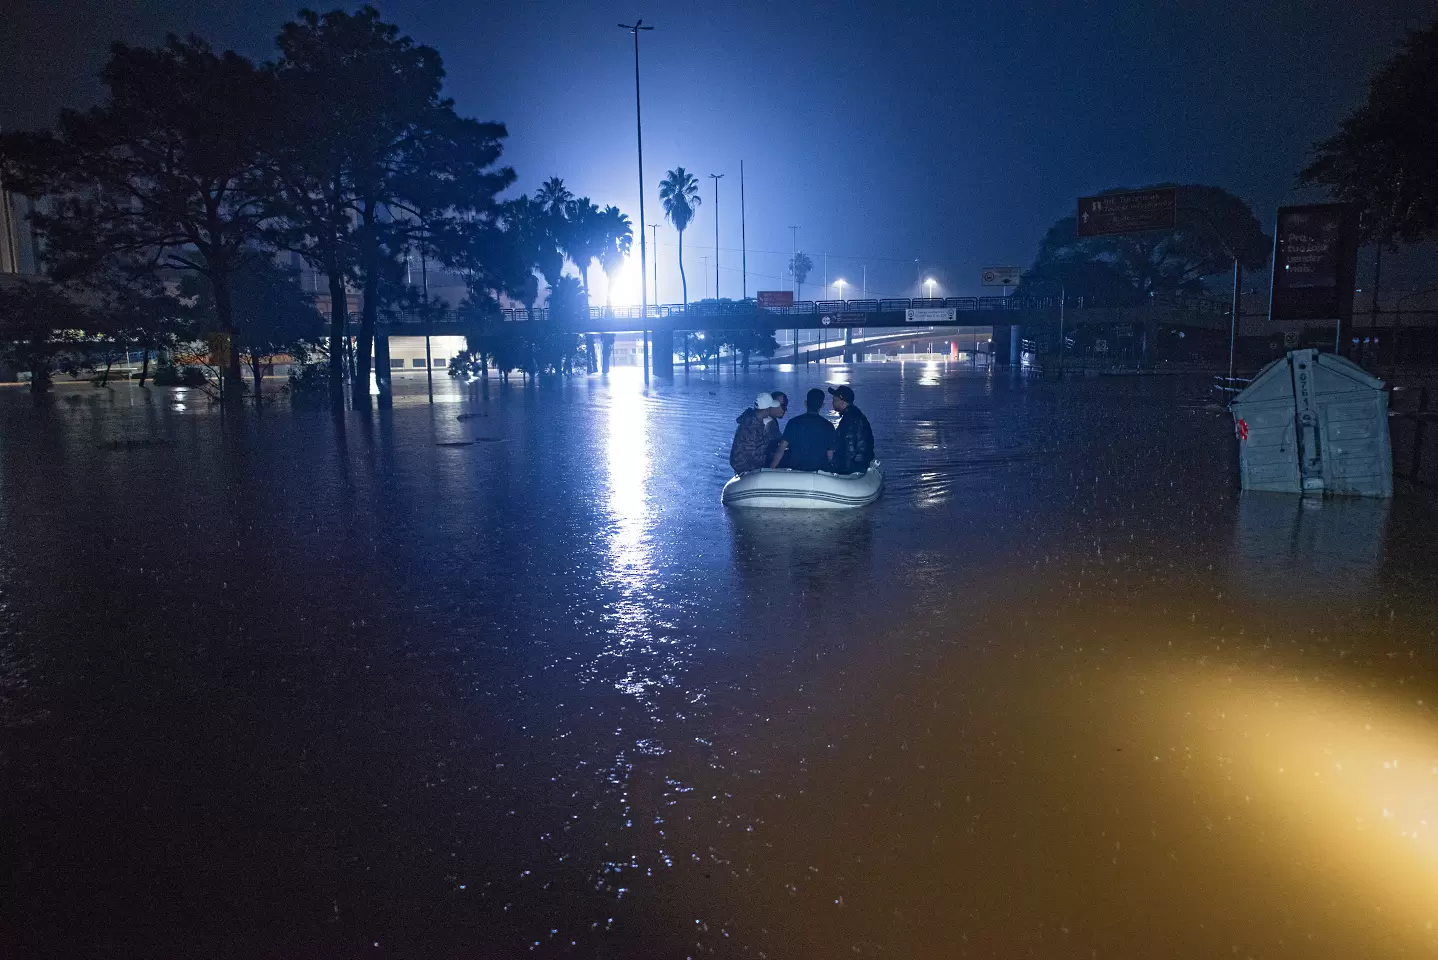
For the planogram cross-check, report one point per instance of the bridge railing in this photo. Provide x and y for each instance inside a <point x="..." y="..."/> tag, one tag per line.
<point x="708" y="311"/>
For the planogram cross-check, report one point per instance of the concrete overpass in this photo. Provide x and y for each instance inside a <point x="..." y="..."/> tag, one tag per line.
<point x="1009" y="318"/>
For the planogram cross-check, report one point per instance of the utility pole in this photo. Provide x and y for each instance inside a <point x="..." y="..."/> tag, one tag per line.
<point x="743" y="238"/>
<point x="716" y="177"/>
<point x="643" y="255"/>
<point x="795" y="231"/>
<point x="706" y="276"/>
<point x="654" y="227"/>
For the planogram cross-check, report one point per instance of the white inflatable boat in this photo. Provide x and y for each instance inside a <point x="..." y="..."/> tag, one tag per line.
<point x="800" y="489"/>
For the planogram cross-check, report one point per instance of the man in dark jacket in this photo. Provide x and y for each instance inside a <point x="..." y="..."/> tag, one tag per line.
<point x="808" y="439"/>
<point x="772" y="429"/>
<point x="854" y="440"/>
<point x="750" y="449"/>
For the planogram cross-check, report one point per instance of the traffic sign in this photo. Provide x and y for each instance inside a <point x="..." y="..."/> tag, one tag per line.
<point x="1128" y="212"/>
<point x="1000" y="276"/>
<point x="1100" y="346"/>
<point x="931" y="315"/>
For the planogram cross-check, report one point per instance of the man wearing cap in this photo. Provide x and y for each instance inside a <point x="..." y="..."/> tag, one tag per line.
<point x="750" y="449"/>
<point x="854" y="440"/>
<point x="772" y="430"/>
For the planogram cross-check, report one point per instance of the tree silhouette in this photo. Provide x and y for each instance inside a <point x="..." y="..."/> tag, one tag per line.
<point x="169" y="168"/>
<point x="618" y="241"/>
<point x="1382" y="157"/>
<point x="1213" y="227"/>
<point x="679" y="192"/>
<point x="799" y="267"/>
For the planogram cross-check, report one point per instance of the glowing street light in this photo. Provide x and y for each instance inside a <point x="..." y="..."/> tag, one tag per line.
<point x="930" y="284"/>
<point x="840" y="284"/>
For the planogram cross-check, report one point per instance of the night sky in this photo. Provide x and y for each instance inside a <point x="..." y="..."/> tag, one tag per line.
<point x="952" y="133"/>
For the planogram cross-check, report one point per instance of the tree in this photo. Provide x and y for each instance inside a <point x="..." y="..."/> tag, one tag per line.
<point x="1382" y="157"/>
<point x="278" y="316"/>
<point x="401" y="161"/>
<point x="40" y="329"/>
<point x="168" y="169"/>
<point x="679" y="192"/>
<point x="799" y="267"/>
<point x="1214" y="227"/>
<point x="618" y="242"/>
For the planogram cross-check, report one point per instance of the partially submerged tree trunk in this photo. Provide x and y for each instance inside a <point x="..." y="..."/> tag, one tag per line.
<point x="145" y="367"/>
<point x="364" y="346"/>
<point x="339" y="317"/>
<point x="225" y="313"/>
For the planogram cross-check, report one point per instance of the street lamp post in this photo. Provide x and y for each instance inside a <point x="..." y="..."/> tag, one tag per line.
<point x="930" y="284"/>
<point x="643" y="254"/>
<point x="716" y="177"/>
<point x="840" y="283"/>
<point x="655" y="228"/>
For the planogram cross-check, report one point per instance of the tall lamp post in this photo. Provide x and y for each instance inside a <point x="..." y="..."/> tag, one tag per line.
<point x="841" y="283"/>
<point x="655" y="228"/>
<point x="930" y="284"/>
<point x="716" y="177"/>
<point x="643" y="254"/>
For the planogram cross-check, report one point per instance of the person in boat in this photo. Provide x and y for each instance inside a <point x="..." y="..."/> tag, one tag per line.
<point x="750" y="449"/>
<point x="808" y="442"/>
<point x="854" y="438"/>
<point x="773" y="433"/>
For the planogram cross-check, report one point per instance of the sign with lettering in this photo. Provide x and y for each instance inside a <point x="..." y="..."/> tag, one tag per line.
<point x="1000" y="276"/>
<point x="776" y="298"/>
<point x="845" y="319"/>
<point x="931" y="315"/>
<point x="1128" y="212"/>
<point x="1315" y="252"/>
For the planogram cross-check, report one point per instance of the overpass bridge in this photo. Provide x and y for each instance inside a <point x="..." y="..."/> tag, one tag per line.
<point x="1005" y="315"/>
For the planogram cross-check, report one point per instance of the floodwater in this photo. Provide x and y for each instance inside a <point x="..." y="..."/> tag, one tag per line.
<point x="517" y="685"/>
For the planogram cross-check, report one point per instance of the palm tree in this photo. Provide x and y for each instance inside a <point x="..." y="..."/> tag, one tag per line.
<point x="679" y="192"/>
<point x="553" y="196"/>
<point x="799" y="267"/>
<point x="618" y="235"/>
<point x="583" y="236"/>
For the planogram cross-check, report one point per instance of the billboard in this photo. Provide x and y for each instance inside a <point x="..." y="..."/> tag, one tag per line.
<point x="1128" y="212"/>
<point x="1315" y="251"/>
<point x="1000" y="276"/>
<point x="776" y="298"/>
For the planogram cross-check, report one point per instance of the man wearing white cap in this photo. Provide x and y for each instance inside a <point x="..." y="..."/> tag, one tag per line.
<point x="750" y="449"/>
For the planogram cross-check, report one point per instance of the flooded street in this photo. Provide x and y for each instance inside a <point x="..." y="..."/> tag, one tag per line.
<point x="501" y="678"/>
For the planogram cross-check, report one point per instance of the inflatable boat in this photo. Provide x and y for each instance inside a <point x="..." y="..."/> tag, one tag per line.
<point x="800" y="489"/>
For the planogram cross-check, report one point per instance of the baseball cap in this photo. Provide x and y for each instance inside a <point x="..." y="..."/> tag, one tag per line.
<point x="764" y="401"/>
<point x="844" y="393"/>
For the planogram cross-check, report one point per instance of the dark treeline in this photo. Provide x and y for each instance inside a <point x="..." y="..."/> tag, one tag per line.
<point x="343" y="150"/>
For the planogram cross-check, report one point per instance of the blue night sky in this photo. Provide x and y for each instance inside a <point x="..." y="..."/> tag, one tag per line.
<point x="951" y="133"/>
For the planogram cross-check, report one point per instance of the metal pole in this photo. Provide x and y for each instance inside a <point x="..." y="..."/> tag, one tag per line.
<point x="716" y="177"/>
<point x="1233" y="320"/>
<point x="743" y="239"/>
<point x="1377" y="278"/>
<point x="795" y="232"/>
<point x="428" y="359"/>
<point x="655" y="227"/>
<point x="639" y="139"/>
<point x="1063" y="295"/>
<point x="864" y="291"/>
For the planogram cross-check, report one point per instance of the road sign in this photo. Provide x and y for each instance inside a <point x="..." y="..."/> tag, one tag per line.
<point x="931" y="315"/>
<point x="1128" y="212"/>
<point x="1290" y="339"/>
<point x="776" y="298"/>
<point x="1100" y="346"/>
<point x="1000" y="276"/>
<point x="845" y="319"/>
<point x="1315" y="250"/>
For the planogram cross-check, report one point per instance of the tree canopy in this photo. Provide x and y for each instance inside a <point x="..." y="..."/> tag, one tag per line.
<point x="1214" y="228"/>
<point x="1384" y="157"/>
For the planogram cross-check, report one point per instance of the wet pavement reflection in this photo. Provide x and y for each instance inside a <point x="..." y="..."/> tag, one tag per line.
<point x="500" y="677"/>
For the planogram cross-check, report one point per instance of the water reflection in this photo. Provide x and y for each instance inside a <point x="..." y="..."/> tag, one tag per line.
<point x="1289" y="545"/>
<point x="814" y="555"/>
